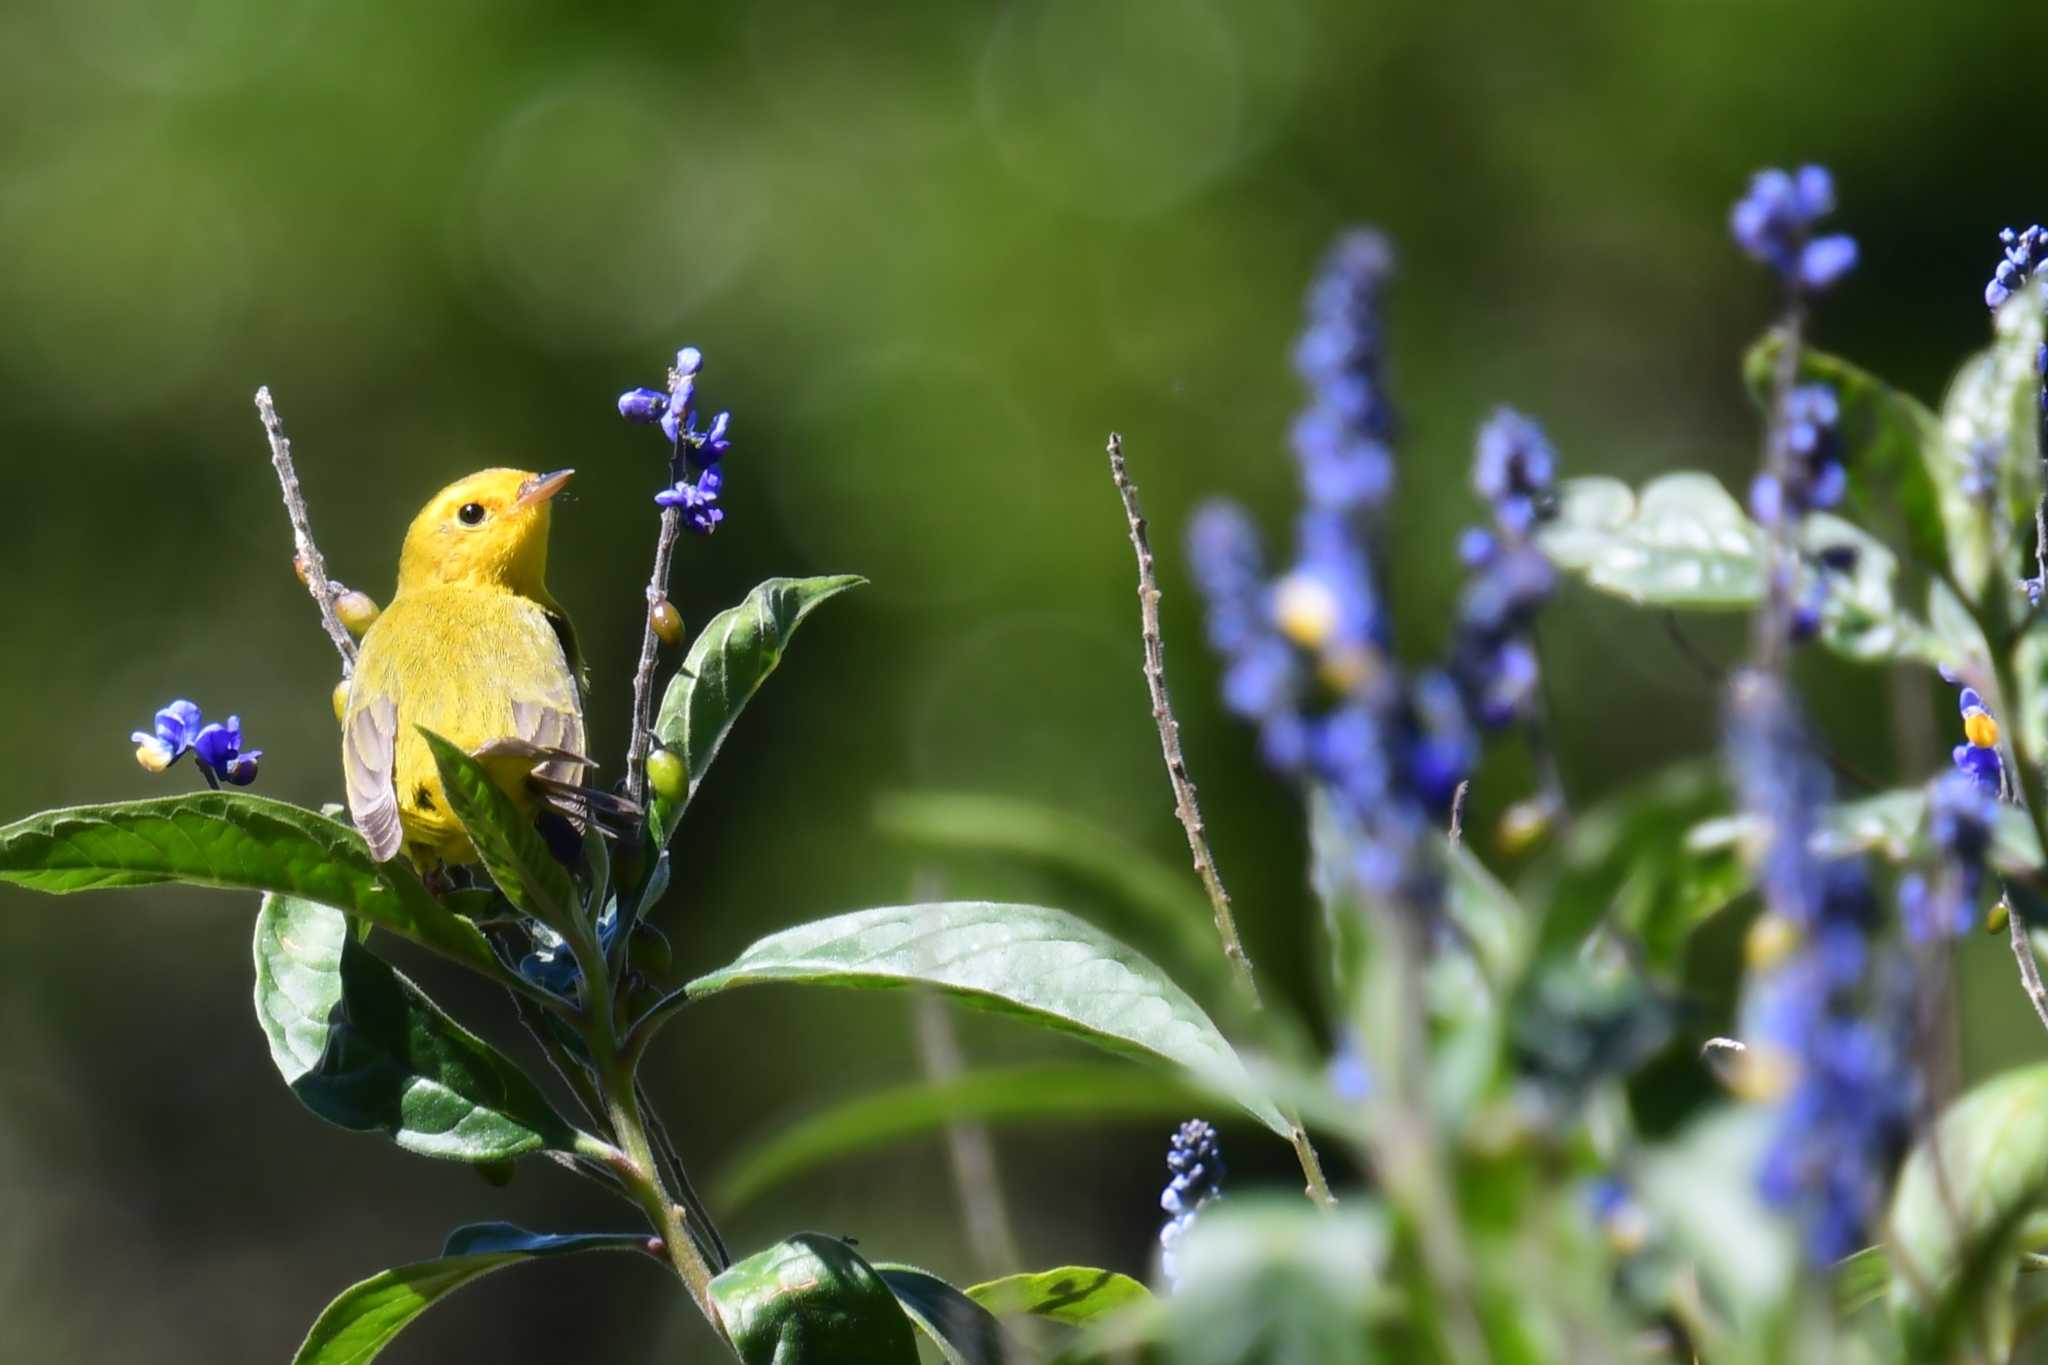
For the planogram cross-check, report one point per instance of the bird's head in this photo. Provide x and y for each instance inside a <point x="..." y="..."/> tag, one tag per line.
<point x="490" y="529"/>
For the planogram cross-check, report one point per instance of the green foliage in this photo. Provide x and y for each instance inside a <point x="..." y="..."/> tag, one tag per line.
<point x="1958" y="1207"/>
<point x="1684" y="543"/>
<point x="233" y="841"/>
<point x="812" y="1300"/>
<point x="505" y="838"/>
<point x="362" y="1047"/>
<point x="965" y="1332"/>
<point x="357" y="1326"/>
<point x="1042" y="965"/>
<point x="1264" y="1282"/>
<point x="1072" y="1294"/>
<point x="727" y="663"/>
<point x="1043" y="1093"/>
<point x="1988" y="417"/>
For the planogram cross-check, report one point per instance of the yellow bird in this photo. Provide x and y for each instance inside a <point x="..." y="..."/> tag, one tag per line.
<point x="473" y="648"/>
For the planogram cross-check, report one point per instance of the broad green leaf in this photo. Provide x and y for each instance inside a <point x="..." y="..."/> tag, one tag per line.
<point x="1890" y="825"/>
<point x="1625" y="863"/>
<point x="362" y="1047"/>
<point x="964" y="1331"/>
<point x="1701" y="1188"/>
<point x="1953" y="1229"/>
<point x="357" y="1326"/>
<point x="1044" y="1093"/>
<point x="1269" y="1282"/>
<point x="1071" y="1294"/>
<point x="1164" y="895"/>
<point x="1988" y="422"/>
<point x="1685" y="543"/>
<point x="1893" y="447"/>
<point x="727" y="663"/>
<point x="812" y="1300"/>
<point x="236" y="842"/>
<point x="506" y="840"/>
<point x="1043" y="965"/>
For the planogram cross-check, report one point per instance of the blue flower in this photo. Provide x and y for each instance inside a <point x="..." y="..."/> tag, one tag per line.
<point x="1194" y="1161"/>
<point x="1960" y="816"/>
<point x="1341" y="440"/>
<point x="643" y="406"/>
<point x="1774" y="221"/>
<point x="218" y="751"/>
<point x="1807" y="474"/>
<point x="176" y="726"/>
<point x="698" y="501"/>
<point x="2025" y="252"/>
<point x="1514" y="469"/>
<point x="1977" y="755"/>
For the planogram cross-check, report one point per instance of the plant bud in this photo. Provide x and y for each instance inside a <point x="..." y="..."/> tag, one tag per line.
<point x="357" y="611"/>
<point x="668" y="775"/>
<point x="1523" y="825"/>
<point x="667" y="622"/>
<point x="340" y="700"/>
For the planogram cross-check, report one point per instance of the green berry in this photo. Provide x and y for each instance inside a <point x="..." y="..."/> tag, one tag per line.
<point x="667" y="774"/>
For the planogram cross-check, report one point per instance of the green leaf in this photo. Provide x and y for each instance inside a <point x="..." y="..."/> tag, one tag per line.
<point x="236" y="842"/>
<point x="1071" y="1294"/>
<point x="506" y="840"/>
<point x="812" y="1300"/>
<point x="1952" y="1230"/>
<point x="1701" y="1188"/>
<point x="357" y="1326"/>
<point x="1041" y="1093"/>
<point x="1043" y="965"/>
<point x="1684" y="543"/>
<point x="1892" y="444"/>
<point x="1625" y="862"/>
<point x="727" y="663"/>
<point x="1890" y="825"/>
<point x="1270" y="1282"/>
<point x="362" y="1047"/>
<point x="1860" y="1280"/>
<point x="964" y="1331"/>
<point x="1989" y="417"/>
<point x="1163" y="895"/>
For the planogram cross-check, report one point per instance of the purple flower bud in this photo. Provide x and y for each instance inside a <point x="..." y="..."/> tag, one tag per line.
<point x="218" y="749"/>
<point x="643" y="406"/>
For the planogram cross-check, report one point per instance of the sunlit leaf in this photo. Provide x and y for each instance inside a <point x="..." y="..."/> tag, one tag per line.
<point x="1042" y="965"/>
<point x="812" y="1300"/>
<point x="1267" y="1282"/>
<point x="234" y="841"/>
<point x="1988" y="423"/>
<point x="1952" y="1224"/>
<point x="359" y="1324"/>
<point x="1045" y="1093"/>
<point x="726" y="664"/>
<point x="362" y="1047"/>
<point x="1072" y="1294"/>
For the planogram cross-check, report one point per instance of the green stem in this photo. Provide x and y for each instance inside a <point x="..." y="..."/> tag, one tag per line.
<point x="2003" y="643"/>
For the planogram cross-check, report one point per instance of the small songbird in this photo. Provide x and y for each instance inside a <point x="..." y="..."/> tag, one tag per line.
<point x="473" y="648"/>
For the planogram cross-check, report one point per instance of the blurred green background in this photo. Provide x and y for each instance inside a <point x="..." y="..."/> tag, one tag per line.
<point x="934" y="253"/>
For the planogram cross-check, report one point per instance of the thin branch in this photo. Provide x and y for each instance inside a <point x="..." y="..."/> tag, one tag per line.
<point x="308" y="553"/>
<point x="969" y="1149"/>
<point x="2030" y="970"/>
<point x="1184" y="802"/>
<point x="650" y="651"/>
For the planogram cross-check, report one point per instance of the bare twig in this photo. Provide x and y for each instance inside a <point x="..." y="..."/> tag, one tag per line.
<point x="1184" y="802"/>
<point x="2030" y="970"/>
<point x="642" y="743"/>
<point x="1458" y="811"/>
<point x="308" y="554"/>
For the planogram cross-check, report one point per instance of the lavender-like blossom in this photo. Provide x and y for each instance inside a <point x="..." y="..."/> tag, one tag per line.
<point x="174" y="729"/>
<point x="698" y="501"/>
<point x="2025" y="253"/>
<point x="1943" y="903"/>
<point x="1774" y="222"/>
<point x="1809" y="475"/>
<point x="1194" y="1161"/>
<point x="1492" y="656"/>
<point x="695" y="480"/>
<point x="218" y="751"/>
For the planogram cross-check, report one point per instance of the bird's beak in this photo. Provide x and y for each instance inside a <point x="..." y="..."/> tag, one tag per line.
<point x="541" y="487"/>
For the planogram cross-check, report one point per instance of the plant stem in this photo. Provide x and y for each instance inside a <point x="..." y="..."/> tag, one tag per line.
<point x="1184" y="802"/>
<point x="2033" y="791"/>
<point x="308" y="553"/>
<point x="642" y="743"/>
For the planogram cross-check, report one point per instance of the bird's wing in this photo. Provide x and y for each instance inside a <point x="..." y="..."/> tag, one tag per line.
<point x="367" y="753"/>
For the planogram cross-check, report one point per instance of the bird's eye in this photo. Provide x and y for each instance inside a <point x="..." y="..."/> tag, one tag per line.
<point x="472" y="514"/>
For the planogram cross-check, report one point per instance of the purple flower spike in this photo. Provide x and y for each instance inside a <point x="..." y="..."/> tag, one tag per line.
<point x="698" y="501"/>
<point x="715" y="442"/>
<point x="218" y="749"/>
<point x="643" y="406"/>
<point x="175" y="728"/>
<point x="1774" y="223"/>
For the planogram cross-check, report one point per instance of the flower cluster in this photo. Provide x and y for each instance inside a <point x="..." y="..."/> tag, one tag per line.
<point x="216" y="749"/>
<point x="2025" y="253"/>
<point x="1195" y="1163"/>
<point x="1774" y="223"/>
<point x="1977" y="755"/>
<point x="1492" y="658"/>
<point x="1943" y="903"/>
<point x="1307" y="653"/>
<point x="695" y="456"/>
<point x="1824" y="1013"/>
<point x="1808" y="475"/>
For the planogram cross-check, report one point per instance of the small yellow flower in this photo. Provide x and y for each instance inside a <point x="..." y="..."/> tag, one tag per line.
<point x="1980" y="729"/>
<point x="1771" y="940"/>
<point x="1306" y="609"/>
